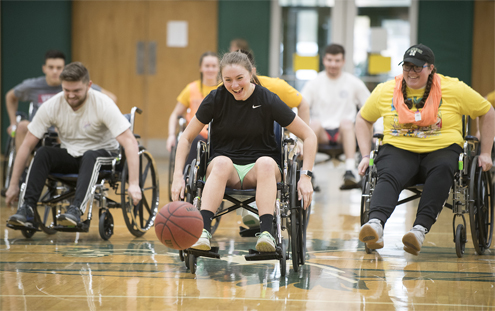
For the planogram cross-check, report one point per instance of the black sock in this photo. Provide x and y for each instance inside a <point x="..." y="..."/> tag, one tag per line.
<point x="207" y="219"/>
<point x="266" y="222"/>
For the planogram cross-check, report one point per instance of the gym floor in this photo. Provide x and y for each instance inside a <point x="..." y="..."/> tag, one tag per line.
<point x="80" y="271"/>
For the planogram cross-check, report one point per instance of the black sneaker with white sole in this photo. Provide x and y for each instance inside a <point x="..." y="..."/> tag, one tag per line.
<point x="23" y="217"/>
<point x="71" y="218"/>
<point x="350" y="181"/>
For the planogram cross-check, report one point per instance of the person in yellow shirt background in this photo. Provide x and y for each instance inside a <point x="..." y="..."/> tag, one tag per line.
<point x="422" y="116"/>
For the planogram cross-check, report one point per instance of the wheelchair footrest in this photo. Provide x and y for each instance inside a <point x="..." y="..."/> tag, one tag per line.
<point x="82" y="227"/>
<point x="212" y="253"/>
<point x="248" y="232"/>
<point x="255" y="256"/>
<point x="11" y="226"/>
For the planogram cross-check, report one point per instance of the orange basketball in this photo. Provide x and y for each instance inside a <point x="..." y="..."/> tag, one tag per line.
<point x="178" y="225"/>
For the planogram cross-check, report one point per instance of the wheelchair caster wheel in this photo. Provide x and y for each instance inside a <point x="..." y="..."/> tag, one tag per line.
<point x="181" y="255"/>
<point x="283" y="261"/>
<point x="460" y="240"/>
<point x="192" y="263"/>
<point x="28" y="233"/>
<point x="106" y="225"/>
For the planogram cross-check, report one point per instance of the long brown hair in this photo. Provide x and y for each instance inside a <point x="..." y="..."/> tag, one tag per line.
<point x="238" y="58"/>
<point x="422" y="102"/>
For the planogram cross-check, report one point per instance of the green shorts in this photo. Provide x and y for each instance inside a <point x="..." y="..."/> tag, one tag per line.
<point x="242" y="170"/>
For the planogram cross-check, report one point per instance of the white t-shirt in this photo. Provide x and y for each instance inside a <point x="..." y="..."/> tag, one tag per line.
<point x="93" y="126"/>
<point x="333" y="100"/>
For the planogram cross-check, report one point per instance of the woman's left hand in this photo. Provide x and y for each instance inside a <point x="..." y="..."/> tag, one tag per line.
<point x="305" y="190"/>
<point x="485" y="161"/>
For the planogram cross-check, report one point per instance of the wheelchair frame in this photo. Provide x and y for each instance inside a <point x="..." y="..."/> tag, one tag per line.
<point x="60" y="189"/>
<point x="288" y="214"/>
<point x="472" y="193"/>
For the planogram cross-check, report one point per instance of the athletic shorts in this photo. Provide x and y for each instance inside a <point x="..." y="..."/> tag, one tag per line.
<point x="333" y="136"/>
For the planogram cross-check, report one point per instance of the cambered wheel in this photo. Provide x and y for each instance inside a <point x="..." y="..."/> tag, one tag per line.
<point x="181" y="255"/>
<point x="296" y="224"/>
<point x="140" y="218"/>
<point x="460" y="240"/>
<point x="305" y="221"/>
<point x="216" y="221"/>
<point x="485" y="209"/>
<point x="475" y="206"/>
<point x="171" y="167"/>
<point x="106" y="225"/>
<point x="283" y="260"/>
<point x="192" y="263"/>
<point x="8" y="164"/>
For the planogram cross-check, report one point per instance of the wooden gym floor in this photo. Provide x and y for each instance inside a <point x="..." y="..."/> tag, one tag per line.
<point x="80" y="271"/>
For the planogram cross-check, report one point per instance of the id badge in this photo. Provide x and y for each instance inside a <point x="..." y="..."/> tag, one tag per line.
<point x="417" y="116"/>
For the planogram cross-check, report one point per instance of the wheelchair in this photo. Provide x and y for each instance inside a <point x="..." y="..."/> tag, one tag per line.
<point x="171" y="163"/>
<point x="113" y="175"/>
<point x="472" y="193"/>
<point x="9" y="155"/>
<point x="289" y="215"/>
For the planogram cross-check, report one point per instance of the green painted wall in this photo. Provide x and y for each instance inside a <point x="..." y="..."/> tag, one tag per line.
<point x="447" y="28"/>
<point x="250" y="20"/>
<point x="29" y="29"/>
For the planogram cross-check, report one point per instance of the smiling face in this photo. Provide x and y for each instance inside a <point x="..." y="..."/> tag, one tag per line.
<point x="210" y="67"/>
<point x="237" y="81"/>
<point x="75" y="93"/>
<point x="52" y="69"/>
<point x="416" y="80"/>
<point x="333" y="64"/>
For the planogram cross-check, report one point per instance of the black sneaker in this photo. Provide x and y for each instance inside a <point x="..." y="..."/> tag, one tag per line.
<point x="349" y="181"/>
<point x="71" y="218"/>
<point x="23" y="217"/>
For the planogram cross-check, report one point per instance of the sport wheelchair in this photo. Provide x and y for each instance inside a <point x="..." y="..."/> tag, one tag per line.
<point x="289" y="215"/>
<point x="60" y="190"/>
<point x="472" y="192"/>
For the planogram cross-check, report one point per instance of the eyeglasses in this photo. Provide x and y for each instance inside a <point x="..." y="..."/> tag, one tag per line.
<point x="417" y="69"/>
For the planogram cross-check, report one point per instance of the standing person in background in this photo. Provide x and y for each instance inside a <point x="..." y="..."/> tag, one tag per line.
<point x="422" y="113"/>
<point x="37" y="91"/>
<point x="191" y="97"/>
<point x="334" y="97"/>
<point x="238" y="44"/>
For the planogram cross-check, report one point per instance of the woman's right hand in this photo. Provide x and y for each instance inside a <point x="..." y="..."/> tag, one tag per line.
<point x="170" y="142"/>
<point x="178" y="186"/>
<point x="363" y="166"/>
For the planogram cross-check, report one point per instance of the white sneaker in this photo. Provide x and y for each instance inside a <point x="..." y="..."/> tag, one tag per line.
<point x="250" y="219"/>
<point x="203" y="242"/>
<point x="372" y="234"/>
<point x="266" y="242"/>
<point x="413" y="240"/>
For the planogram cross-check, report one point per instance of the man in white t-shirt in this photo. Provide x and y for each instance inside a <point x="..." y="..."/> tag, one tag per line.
<point x="90" y="126"/>
<point x="335" y="97"/>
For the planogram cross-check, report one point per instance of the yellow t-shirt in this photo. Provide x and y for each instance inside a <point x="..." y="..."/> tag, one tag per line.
<point x="289" y="95"/>
<point x="184" y="96"/>
<point x="458" y="99"/>
<point x="491" y="98"/>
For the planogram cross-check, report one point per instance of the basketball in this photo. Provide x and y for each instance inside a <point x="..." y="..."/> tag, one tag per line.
<point x="178" y="225"/>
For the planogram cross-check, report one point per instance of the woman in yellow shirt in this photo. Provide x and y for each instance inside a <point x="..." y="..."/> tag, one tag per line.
<point x="191" y="97"/>
<point x="422" y="116"/>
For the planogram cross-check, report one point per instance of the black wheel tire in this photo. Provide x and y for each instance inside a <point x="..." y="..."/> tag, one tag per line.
<point x="49" y="219"/>
<point x="181" y="255"/>
<point x="305" y="221"/>
<point x="186" y="260"/>
<point x="8" y="163"/>
<point x="295" y="220"/>
<point x="192" y="263"/>
<point x="460" y="243"/>
<point x="474" y="195"/>
<point x="365" y="211"/>
<point x="140" y="218"/>
<point x="171" y="167"/>
<point x="485" y="210"/>
<point x="294" y="240"/>
<point x="27" y="233"/>
<point x="283" y="260"/>
<point x="106" y="225"/>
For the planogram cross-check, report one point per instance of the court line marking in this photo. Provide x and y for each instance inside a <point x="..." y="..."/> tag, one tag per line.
<point x="244" y="298"/>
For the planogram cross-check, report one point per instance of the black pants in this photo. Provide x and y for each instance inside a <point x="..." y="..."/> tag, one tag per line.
<point x="56" y="160"/>
<point x="398" y="169"/>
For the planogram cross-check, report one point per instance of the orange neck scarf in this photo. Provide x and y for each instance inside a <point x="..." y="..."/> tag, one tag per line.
<point x="430" y="110"/>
